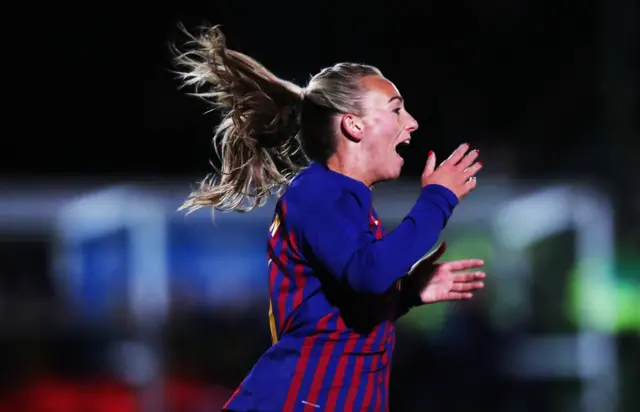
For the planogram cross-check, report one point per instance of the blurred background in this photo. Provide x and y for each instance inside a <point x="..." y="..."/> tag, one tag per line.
<point x="110" y="301"/>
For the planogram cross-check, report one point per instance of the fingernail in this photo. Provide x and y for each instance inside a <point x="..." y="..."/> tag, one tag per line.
<point x="476" y="150"/>
<point x="430" y="153"/>
<point x="480" y="163"/>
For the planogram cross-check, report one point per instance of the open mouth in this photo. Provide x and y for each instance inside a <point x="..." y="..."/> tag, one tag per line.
<point x="402" y="148"/>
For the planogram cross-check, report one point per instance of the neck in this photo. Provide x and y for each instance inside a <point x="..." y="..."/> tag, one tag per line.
<point x="349" y="167"/>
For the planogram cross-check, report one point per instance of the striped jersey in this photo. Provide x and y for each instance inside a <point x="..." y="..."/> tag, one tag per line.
<point x="335" y="281"/>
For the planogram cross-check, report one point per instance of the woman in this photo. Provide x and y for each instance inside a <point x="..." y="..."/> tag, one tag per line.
<point x="337" y="281"/>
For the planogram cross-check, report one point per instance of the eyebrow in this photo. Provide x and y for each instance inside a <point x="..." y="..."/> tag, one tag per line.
<point x="399" y="98"/>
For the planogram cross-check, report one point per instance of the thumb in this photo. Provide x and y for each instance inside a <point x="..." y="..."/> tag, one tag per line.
<point x="431" y="164"/>
<point x="437" y="253"/>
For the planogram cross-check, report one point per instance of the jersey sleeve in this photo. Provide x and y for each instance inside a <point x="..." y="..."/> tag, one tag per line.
<point x="337" y="237"/>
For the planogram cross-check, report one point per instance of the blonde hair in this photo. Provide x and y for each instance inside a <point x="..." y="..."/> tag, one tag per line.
<point x="270" y="127"/>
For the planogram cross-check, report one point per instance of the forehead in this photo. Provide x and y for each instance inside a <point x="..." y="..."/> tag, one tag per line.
<point x="378" y="90"/>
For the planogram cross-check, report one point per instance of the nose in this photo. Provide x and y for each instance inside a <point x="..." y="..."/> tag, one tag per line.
<point x="412" y="124"/>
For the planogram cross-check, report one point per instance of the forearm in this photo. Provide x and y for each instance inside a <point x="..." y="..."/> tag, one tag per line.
<point x="378" y="265"/>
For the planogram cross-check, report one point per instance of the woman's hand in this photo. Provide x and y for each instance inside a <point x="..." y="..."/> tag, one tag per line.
<point x="457" y="173"/>
<point x="438" y="282"/>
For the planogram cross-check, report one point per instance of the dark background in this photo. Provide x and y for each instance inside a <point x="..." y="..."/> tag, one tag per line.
<point x="498" y="73"/>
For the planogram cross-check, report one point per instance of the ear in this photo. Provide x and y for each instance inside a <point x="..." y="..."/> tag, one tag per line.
<point x="352" y="126"/>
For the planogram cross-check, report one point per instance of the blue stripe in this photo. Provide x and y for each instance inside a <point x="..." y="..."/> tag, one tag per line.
<point x="348" y="375"/>
<point x="368" y="365"/>
<point x="385" y="389"/>
<point x="379" y="390"/>
<point x="380" y="372"/>
<point x="291" y="266"/>
<point x="330" y="373"/>
<point x="309" y="372"/>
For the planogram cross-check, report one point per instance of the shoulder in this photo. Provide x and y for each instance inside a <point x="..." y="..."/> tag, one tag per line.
<point x="310" y="194"/>
<point x="310" y="190"/>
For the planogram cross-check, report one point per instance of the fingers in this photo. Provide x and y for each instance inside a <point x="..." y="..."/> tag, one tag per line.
<point x="437" y="253"/>
<point x="464" y="284"/>
<point x="468" y="159"/>
<point x="459" y="295"/>
<point x="468" y="277"/>
<point x="457" y="155"/>
<point x="456" y="173"/>
<point x="430" y="166"/>
<point x="467" y="287"/>
<point x="472" y="170"/>
<point x="463" y="264"/>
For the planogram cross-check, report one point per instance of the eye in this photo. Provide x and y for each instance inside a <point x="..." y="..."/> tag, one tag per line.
<point x="397" y="111"/>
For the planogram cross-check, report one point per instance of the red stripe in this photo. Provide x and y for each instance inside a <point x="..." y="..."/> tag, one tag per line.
<point x="273" y="272"/>
<point x="382" y="362"/>
<point x="386" y="381"/>
<point x="298" y="276"/>
<point x="336" y="385"/>
<point x="376" y="363"/>
<point x="375" y="225"/>
<point x="294" y="245"/>
<point x="226" y="405"/>
<point x="368" y="392"/>
<point x="357" y="370"/>
<point x="323" y="362"/>
<point x="283" y="289"/>
<point x="296" y="382"/>
<point x="377" y="379"/>
<point x="353" y="387"/>
<point x="379" y="392"/>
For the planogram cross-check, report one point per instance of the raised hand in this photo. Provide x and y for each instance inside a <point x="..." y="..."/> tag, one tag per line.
<point x="438" y="282"/>
<point x="457" y="173"/>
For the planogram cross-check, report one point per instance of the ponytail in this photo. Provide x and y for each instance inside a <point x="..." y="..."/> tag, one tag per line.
<point x="256" y="140"/>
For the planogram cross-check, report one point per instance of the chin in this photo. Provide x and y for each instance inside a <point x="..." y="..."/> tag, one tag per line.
<point x="391" y="174"/>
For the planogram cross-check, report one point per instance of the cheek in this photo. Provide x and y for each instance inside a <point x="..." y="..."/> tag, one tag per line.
<point x="382" y="131"/>
<point x="385" y="128"/>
